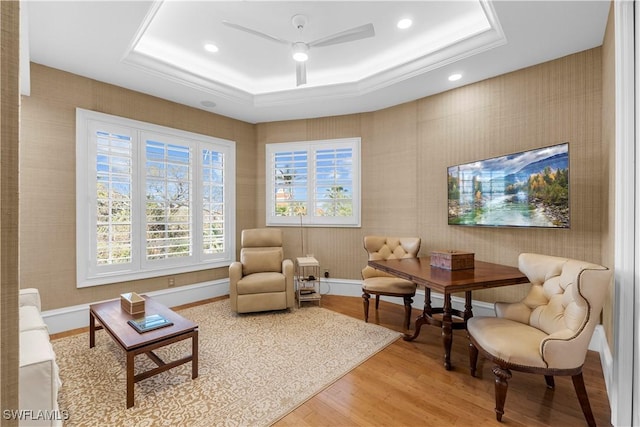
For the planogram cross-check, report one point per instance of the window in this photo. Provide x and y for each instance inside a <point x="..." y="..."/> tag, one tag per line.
<point x="151" y="201"/>
<point x="316" y="183"/>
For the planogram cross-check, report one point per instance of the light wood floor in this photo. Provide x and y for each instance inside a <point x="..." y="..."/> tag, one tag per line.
<point x="407" y="385"/>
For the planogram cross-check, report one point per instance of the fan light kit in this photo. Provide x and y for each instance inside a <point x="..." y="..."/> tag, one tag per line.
<point x="300" y="49"/>
<point x="300" y="52"/>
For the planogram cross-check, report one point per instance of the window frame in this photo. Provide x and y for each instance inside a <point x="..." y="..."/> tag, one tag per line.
<point x="311" y="147"/>
<point x="89" y="273"/>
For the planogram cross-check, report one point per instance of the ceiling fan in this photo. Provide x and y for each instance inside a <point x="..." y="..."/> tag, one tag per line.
<point x="300" y="49"/>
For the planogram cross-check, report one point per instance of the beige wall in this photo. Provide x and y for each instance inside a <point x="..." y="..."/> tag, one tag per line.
<point x="47" y="178"/>
<point x="406" y="150"/>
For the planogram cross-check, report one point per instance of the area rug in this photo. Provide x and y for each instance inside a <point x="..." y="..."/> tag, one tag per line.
<point x="253" y="369"/>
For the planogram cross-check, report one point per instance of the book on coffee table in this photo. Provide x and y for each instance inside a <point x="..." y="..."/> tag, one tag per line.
<point x="149" y="323"/>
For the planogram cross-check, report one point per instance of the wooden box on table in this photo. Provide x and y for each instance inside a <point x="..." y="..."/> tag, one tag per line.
<point x="452" y="260"/>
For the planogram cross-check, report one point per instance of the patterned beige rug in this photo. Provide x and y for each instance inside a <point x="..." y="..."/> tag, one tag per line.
<point x="254" y="369"/>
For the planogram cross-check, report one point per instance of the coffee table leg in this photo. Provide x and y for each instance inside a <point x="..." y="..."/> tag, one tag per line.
<point x="194" y="355"/>
<point x="130" y="378"/>
<point x="92" y="330"/>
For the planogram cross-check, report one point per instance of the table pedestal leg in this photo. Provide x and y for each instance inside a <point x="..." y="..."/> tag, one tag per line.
<point x="447" y="331"/>
<point x="468" y="312"/>
<point x="423" y="318"/>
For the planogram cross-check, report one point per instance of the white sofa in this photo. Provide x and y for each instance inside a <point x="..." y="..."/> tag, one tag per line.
<point x="39" y="380"/>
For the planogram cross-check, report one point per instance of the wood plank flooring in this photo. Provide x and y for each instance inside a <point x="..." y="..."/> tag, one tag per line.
<point x="407" y="385"/>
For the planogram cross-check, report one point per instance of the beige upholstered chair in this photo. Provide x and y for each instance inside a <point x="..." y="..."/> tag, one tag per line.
<point x="262" y="280"/>
<point x="378" y="283"/>
<point x="549" y="331"/>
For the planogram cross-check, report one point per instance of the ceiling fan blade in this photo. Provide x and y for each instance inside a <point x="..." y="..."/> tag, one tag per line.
<point x="357" y="33"/>
<point x="301" y="73"/>
<point x="255" y="32"/>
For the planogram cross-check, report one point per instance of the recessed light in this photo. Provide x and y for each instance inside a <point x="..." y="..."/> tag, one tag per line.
<point x="405" y="23"/>
<point x="210" y="47"/>
<point x="208" y="104"/>
<point x="454" y="77"/>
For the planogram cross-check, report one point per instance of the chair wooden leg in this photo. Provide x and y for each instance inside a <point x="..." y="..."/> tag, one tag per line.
<point x="581" y="391"/>
<point x="473" y="359"/>
<point x="501" y="386"/>
<point x="365" y="301"/>
<point x="407" y="311"/>
<point x="377" y="301"/>
<point x="550" y="381"/>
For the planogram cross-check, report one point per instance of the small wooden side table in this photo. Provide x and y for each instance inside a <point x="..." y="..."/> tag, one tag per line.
<point x="307" y="280"/>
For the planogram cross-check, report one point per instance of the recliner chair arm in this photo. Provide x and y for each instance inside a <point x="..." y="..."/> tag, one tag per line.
<point x="287" y="270"/>
<point x="235" y="273"/>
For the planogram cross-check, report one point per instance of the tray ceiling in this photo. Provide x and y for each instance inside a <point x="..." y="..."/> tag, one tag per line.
<point x="158" y="48"/>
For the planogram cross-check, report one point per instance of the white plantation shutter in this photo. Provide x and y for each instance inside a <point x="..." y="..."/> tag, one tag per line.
<point x="316" y="183"/>
<point x="151" y="201"/>
<point x="168" y="200"/>
<point x="213" y="205"/>
<point x="113" y="215"/>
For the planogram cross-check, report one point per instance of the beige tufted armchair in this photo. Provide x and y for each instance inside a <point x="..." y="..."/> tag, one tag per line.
<point x="549" y="331"/>
<point x="262" y="280"/>
<point x="378" y="283"/>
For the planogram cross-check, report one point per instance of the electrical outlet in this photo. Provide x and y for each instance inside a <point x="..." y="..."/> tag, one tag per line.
<point x="326" y="273"/>
<point x="172" y="282"/>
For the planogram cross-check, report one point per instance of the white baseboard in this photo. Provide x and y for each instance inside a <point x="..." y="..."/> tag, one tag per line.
<point x="74" y="317"/>
<point x="77" y="316"/>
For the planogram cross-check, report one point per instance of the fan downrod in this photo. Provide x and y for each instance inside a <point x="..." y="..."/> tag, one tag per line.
<point x="299" y="21"/>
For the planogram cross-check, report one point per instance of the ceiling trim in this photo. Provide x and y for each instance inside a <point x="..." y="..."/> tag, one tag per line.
<point x="454" y="51"/>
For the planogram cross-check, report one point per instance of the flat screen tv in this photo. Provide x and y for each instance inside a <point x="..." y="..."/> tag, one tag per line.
<point x="527" y="189"/>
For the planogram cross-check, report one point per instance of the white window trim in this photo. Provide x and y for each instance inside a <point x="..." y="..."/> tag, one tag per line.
<point x="310" y="220"/>
<point x="141" y="268"/>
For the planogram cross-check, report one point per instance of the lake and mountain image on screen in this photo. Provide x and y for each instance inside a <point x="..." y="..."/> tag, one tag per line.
<point x="527" y="189"/>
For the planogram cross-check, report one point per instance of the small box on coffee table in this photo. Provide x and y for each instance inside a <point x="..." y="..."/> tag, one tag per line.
<point x="452" y="260"/>
<point x="132" y="303"/>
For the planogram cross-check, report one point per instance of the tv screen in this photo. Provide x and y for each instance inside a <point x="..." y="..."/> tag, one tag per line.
<point x="527" y="189"/>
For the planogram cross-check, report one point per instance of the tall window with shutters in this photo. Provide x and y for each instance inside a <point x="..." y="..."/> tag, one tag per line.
<point x="316" y="183"/>
<point x="151" y="200"/>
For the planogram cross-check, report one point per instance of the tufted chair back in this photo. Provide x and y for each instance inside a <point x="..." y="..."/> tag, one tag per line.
<point x="379" y="283"/>
<point x="384" y="247"/>
<point x="548" y="332"/>
<point x="564" y="302"/>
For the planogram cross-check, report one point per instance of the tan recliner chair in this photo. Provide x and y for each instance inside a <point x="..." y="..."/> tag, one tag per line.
<point x="378" y="282"/>
<point x="546" y="333"/>
<point x="262" y="280"/>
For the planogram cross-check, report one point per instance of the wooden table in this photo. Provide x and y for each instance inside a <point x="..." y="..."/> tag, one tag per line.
<point x="418" y="270"/>
<point x="113" y="319"/>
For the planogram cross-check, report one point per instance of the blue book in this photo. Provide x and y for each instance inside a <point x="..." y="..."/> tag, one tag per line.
<point x="149" y="323"/>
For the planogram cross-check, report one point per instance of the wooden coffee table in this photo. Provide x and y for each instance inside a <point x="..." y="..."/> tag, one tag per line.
<point x="113" y="319"/>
